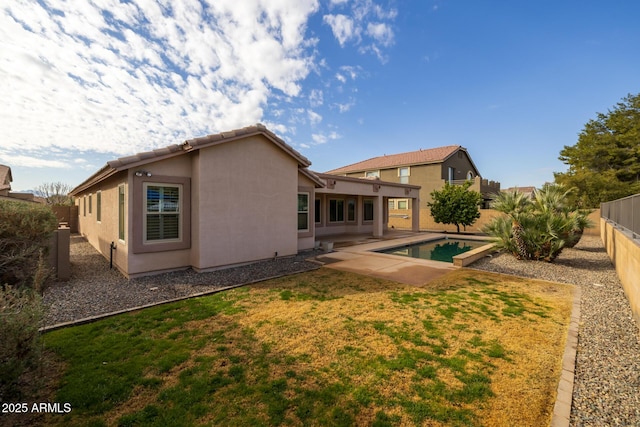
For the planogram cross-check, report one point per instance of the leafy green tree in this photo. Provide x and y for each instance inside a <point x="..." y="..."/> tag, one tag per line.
<point x="605" y="162"/>
<point x="455" y="204"/>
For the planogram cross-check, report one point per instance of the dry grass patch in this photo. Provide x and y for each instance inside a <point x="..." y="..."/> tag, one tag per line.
<point x="327" y="348"/>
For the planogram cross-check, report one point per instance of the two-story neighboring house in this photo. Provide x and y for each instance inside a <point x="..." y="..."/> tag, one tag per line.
<point x="428" y="168"/>
<point x="5" y="188"/>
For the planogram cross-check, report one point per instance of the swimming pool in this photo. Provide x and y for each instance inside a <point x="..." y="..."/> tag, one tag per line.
<point x="436" y="250"/>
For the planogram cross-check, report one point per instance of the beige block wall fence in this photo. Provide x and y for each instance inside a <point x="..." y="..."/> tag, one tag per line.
<point x="625" y="255"/>
<point x="401" y="219"/>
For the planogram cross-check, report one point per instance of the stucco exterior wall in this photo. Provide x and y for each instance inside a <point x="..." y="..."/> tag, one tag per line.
<point x="462" y="165"/>
<point x="625" y="255"/>
<point x="142" y="263"/>
<point x="428" y="177"/>
<point x="101" y="233"/>
<point x="246" y="203"/>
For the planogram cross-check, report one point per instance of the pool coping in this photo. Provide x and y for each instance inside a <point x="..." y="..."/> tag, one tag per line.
<point x="461" y="260"/>
<point x="469" y="257"/>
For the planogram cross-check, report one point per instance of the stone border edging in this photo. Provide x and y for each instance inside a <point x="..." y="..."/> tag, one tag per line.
<point x="91" y="319"/>
<point x="564" y="396"/>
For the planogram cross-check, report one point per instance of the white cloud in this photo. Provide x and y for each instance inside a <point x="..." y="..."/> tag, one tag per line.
<point x="320" y="138"/>
<point x="381" y="32"/>
<point x="343" y="27"/>
<point x="351" y="71"/>
<point x="314" y="118"/>
<point x="364" y="26"/>
<point x="316" y="98"/>
<point x="125" y="77"/>
<point x="33" y="162"/>
<point x="344" y="107"/>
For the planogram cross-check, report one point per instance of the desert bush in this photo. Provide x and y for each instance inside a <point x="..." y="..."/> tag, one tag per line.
<point x="25" y="233"/>
<point x="538" y="228"/>
<point x="21" y="311"/>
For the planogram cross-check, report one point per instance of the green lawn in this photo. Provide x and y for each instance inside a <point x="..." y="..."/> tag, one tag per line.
<point x="324" y="348"/>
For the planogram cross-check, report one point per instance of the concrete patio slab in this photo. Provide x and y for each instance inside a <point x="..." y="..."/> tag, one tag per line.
<point x="360" y="259"/>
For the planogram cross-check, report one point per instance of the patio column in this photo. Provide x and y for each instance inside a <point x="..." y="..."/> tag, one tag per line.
<point x="378" y="216"/>
<point x="415" y="214"/>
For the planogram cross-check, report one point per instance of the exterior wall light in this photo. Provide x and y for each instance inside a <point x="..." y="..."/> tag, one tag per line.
<point x="141" y="173"/>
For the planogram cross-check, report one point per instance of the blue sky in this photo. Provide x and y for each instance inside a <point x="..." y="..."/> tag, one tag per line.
<point x="339" y="80"/>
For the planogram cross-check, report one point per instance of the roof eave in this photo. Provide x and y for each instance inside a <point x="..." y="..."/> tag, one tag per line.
<point x="313" y="176"/>
<point x="105" y="172"/>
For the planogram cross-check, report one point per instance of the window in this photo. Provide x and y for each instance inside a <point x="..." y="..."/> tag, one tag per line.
<point x="392" y="204"/>
<point x="84" y="206"/>
<point x="99" y="206"/>
<point x="336" y="210"/>
<point x="90" y="196"/>
<point x="371" y="174"/>
<point x="316" y="213"/>
<point x="403" y="173"/>
<point x="351" y="210"/>
<point x="470" y="175"/>
<point x="303" y="211"/>
<point x="162" y="212"/>
<point x="159" y="218"/>
<point x="121" y="212"/>
<point x="451" y="175"/>
<point x="402" y="204"/>
<point x="368" y="210"/>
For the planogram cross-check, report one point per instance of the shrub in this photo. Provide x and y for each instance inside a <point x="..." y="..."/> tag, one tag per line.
<point x="25" y="233"/>
<point x="538" y="228"/>
<point x="21" y="311"/>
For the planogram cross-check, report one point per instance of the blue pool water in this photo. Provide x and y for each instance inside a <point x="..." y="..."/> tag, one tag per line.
<point x="436" y="250"/>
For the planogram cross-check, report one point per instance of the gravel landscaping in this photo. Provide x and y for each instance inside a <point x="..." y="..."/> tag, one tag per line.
<point x="607" y="375"/>
<point x="96" y="290"/>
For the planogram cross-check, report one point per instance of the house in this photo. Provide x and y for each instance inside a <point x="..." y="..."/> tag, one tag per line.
<point x="527" y="191"/>
<point x="222" y="200"/>
<point x="428" y="168"/>
<point x="5" y="188"/>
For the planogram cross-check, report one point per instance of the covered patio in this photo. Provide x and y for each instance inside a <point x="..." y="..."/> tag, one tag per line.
<point x="348" y="209"/>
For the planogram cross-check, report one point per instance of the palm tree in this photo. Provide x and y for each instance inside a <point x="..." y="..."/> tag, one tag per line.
<point x="538" y="228"/>
<point x="516" y="206"/>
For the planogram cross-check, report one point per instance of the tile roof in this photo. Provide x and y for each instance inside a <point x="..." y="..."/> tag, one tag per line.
<point x="423" y="156"/>
<point x="520" y="189"/>
<point x="205" y="141"/>
<point x="189" y="145"/>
